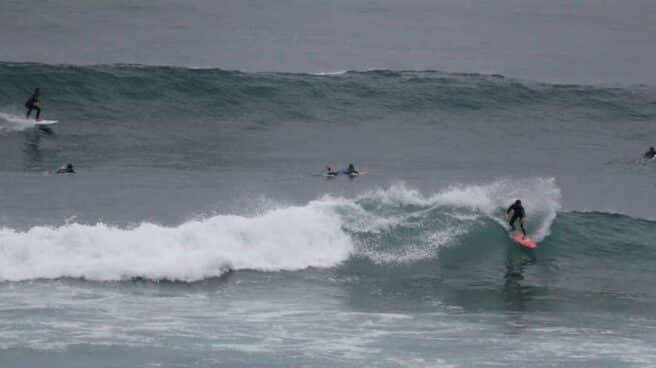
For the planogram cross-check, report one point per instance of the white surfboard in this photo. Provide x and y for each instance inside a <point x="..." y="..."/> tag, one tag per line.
<point x="46" y="122"/>
<point x="20" y="120"/>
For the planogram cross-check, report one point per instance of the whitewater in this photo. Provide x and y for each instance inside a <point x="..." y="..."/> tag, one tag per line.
<point x="290" y="238"/>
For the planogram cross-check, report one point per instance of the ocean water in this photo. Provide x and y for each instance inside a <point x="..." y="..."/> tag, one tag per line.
<point x="199" y="231"/>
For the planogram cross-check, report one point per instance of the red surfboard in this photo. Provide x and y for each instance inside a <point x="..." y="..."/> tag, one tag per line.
<point x="524" y="241"/>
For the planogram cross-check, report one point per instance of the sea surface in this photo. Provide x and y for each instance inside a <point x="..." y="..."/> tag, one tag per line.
<point x="199" y="230"/>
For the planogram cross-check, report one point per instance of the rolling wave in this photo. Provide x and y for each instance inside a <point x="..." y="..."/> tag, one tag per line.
<point x="281" y="239"/>
<point x="387" y="225"/>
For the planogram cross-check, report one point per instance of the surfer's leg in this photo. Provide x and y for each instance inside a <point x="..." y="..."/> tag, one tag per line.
<point x="38" y="112"/>
<point x="29" y="111"/>
<point x="512" y="222"/>
<point x="521" y="224"/>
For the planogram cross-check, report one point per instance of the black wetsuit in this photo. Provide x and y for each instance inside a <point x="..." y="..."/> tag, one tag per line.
<point x="33" y="104"/>
<point x="351" y="171"/>
<point x="518" y="213"/>
<point x="649" y="154"/>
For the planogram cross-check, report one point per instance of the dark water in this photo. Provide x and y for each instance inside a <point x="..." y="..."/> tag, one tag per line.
<point x="197" y="230"/>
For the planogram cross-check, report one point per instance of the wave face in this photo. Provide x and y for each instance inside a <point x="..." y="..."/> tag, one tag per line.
<point x="163" y="91"/>
<point x="134" y="115"/>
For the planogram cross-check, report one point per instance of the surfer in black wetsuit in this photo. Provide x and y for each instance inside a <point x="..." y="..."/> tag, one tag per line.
<point x="33" y="104"/>
<point x="518" y="213"/>
<point x="330" y="171"/>
<point x="650" y="154"/>
<point x="351" y="171"/>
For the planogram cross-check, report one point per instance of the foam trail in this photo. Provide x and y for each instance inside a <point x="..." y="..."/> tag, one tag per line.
<point x="13" y="123"/>
<point x="540" y="197"/>
<point x="291" y="238"/>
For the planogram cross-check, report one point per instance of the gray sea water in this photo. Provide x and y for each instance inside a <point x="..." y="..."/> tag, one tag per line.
<point x="199" y="231"/>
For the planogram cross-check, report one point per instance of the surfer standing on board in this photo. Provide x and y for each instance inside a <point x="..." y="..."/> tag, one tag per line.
<point x="33" y="104"/>
<point x="518" y="213"/>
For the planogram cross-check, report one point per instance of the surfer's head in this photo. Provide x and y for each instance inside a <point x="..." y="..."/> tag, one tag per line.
<point x="518" y="202"/>
<point x="37" y="91"/>
<point x="69" y="166"/>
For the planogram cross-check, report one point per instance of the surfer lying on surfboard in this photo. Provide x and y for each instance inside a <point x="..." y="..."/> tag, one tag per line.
<point x="518" y="213"/>
<point x="330" y="171"/>
<point x="351" y="171"/>
<point x="33" y="104"/>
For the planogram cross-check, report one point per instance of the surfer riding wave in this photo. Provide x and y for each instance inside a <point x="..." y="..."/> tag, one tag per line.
<point x="518" y="213"/>
<point x="33" y="104"/>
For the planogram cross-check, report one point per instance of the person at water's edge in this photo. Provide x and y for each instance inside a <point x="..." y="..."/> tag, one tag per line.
<point x="518" y="213"/>
<point x="33" y="104"/>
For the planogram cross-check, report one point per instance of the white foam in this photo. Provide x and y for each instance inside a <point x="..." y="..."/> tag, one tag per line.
<point x="335" y="73"/>
<point x="13" y="123"/>
<point x="292" y="238"/>
<point x="395" y="195"/>
<point x="284" y="238"/>
<point x="540" y="197"/>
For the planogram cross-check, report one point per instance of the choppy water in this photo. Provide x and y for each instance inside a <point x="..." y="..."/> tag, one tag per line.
<point x="197" y="230"/>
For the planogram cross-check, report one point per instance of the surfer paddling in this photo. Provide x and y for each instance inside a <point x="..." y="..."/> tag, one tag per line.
<point x="351" y="171"/>
<point x="518" y="213"/>
<point x="330" y="172"/>
<point x="33" y="103"/>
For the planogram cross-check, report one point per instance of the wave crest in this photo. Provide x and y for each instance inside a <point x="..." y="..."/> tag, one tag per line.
<point x="292" y="238"/>
<point x="386" y="225"/>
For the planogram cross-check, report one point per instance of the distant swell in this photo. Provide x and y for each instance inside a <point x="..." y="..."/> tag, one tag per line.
<point x="117" y="91"/>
